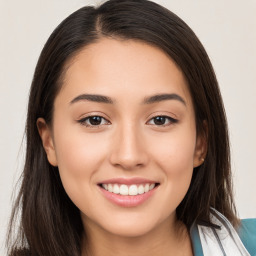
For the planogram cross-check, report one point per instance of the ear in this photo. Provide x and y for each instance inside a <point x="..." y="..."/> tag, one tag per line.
<point x="201" y="147"/>
<point x="47" y="140"/>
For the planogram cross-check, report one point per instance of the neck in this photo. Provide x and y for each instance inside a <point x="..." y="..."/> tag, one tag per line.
<point x="169" y="238"/>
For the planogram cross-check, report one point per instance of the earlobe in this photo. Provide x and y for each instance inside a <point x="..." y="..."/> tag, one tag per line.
<point x="47" y="140"/>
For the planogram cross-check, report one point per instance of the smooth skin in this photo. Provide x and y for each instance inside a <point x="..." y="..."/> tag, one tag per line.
<point x="127" y="137"/>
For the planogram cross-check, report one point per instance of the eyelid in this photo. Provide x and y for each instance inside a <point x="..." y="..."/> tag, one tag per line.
<point x="83" y="119"/>
<point x="172" y="120"/>
<point x="93" y="113"/>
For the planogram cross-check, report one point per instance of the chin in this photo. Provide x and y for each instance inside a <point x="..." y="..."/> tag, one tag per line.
<point x="131" y="224"/>
<point x="130" y="230"/>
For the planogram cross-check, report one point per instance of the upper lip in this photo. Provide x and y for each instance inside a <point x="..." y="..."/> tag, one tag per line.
<point x="128" y="181"/>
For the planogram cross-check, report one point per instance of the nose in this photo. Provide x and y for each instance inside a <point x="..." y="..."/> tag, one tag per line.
<point x="128" y="149"/>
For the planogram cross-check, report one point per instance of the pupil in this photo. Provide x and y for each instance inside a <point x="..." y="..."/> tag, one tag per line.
<point x="159" y="120"/>
<point x="95" y="120"/>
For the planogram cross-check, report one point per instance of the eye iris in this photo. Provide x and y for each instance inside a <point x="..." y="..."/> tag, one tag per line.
<point x="95" y="120"/>
<point x="159" y="120"/>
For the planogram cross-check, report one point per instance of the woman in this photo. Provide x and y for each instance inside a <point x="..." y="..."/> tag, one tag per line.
<point x="127" y="142"/>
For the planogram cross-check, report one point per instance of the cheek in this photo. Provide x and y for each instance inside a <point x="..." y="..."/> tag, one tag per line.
<point x="174" y="155"/>
<point x="175" y="152"/>
<point x="79" y="153"/>
<point x="79" y="156"/>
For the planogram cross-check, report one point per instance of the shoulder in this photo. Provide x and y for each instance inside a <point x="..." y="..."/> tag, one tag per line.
<point x="244" y="237"/>
<point x="247" y="233"/>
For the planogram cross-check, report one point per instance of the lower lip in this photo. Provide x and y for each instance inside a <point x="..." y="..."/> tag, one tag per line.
<point x="127" y="201"/>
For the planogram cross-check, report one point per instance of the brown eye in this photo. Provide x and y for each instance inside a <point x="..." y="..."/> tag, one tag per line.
<point x="162" y="120"/>
<point x="159" y="120"/>
<point x="93" y="121"/>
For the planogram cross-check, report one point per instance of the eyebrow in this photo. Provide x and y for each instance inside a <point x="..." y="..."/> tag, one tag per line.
<point x="147" y="100"/>
<point x="93" y="97"/>
<point x="162" y="97"/>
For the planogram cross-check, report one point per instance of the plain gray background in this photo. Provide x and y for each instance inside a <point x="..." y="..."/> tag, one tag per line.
<point x="227" y="29"/>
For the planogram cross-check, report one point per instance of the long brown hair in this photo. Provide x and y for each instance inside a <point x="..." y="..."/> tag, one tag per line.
<point x="50" y="223"/>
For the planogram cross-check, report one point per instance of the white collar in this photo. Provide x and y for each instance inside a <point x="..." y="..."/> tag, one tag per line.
<point x="221" y="240"/>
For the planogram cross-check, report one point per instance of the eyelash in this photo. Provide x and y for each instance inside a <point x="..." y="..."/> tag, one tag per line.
<point x="84" y="121"/>
<point x="171" y="120"/>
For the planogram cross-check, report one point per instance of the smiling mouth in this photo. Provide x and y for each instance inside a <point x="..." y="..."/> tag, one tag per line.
<point x="131" y="190"/>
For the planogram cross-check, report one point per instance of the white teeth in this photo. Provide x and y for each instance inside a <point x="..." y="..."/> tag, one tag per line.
<point x="124" y="190"/>
<point x="116" y="189"/>
<point x="141" y="189"/>
<point x="110" y="188"/>
<point x="131" y="190"/>
<point x="152" y="186"/>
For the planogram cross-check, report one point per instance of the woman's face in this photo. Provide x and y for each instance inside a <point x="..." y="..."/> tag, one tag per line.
<point x="124" y="123"/>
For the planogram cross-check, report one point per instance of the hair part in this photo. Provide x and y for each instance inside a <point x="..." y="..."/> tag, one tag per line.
<point x="50" y="222"/>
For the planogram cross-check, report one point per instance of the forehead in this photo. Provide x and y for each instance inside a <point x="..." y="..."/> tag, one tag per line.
<point x="112" y="66"/>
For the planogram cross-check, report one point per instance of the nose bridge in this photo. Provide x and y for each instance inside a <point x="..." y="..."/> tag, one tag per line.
<point x="128" y="148"/>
